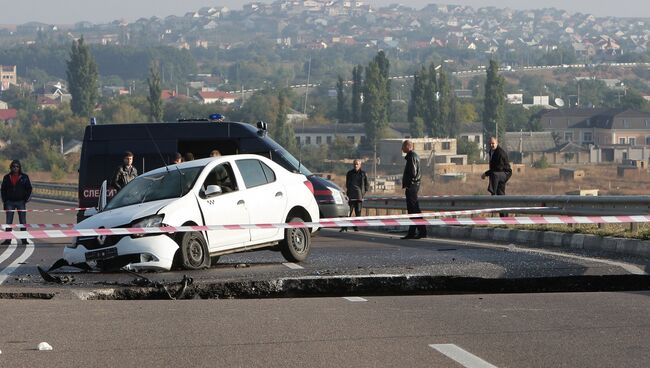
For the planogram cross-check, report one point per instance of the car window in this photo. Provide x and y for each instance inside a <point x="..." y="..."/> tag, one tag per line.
<point x="252" y="172"/>
<point x="222" y="176"/>
<point x="268" y="172"/>
<point x="153" y="187"/>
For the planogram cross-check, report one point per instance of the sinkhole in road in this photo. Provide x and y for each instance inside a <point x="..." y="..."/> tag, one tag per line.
<point x="364" y="285"/>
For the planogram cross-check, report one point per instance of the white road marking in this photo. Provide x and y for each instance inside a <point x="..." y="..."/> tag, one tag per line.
<point x="631" y="268"/>
<point x="293" y="266"/>
<point x="8" y="252"/>
<point x="4" y="274"/>
<point x="465" y="358"/>
<point x="354" y="299"/>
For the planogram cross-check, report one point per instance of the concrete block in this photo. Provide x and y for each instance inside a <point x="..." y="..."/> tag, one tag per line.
<point x="481" y="233"/>
<point x="525" y="237"/>
<point x="552" y="238"/>
<point x="644" y="248"/>
<point x="609" y="244"/>
<point x="627" y="246"/>
<point x="502" y="235"/>
<point x="577" y="241"/>
<point x="593" y="242"/>
<point x="460" y="232"/>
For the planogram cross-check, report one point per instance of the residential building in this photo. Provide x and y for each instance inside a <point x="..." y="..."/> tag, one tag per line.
<point x="8" y="76"/>
<point x="8" y="115"/>
<point x="431" y="151"/>
<point x="207" y="97"/>
<point x="598" y="126"/>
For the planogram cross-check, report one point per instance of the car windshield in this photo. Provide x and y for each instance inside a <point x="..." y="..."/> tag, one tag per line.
<point x="152" y="187"/>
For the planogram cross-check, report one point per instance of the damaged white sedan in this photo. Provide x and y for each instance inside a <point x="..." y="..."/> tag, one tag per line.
<point x="228" y="190"/>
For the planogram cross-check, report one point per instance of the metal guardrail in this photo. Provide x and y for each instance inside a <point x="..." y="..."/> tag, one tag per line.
<point x="558" y="205"/>
<point x="62" y="192"/>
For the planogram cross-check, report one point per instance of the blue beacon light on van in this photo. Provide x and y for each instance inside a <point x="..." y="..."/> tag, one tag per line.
<point x="217" y="117"/>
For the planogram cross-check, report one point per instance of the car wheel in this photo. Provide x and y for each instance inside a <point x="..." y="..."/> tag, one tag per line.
<point x="296" y="243"/>
<point x="194" y="251"/>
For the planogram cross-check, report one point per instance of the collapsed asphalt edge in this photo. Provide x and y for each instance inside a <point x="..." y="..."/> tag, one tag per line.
<point x="373" y="285"/>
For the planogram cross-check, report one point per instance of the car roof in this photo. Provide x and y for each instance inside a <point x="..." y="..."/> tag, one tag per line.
<point x="205" y="161"/>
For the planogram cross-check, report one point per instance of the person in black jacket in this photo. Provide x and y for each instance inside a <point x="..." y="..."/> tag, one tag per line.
<point x="411" y="183"/>
<point x="500" y="171"/>
<point x="125" y="172"/>
<point x="16" y="191"/>
<point x="356" y="186"/>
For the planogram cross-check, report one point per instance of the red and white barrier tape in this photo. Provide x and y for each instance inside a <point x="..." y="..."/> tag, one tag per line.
<point x="50" y="210"/>
<point x="441" y="213"/>
<point x="37" y="226"/>
<point x="66" y="233"/>
<point x="415" y="215"/>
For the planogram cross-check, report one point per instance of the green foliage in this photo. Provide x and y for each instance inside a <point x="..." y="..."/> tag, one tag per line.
<point x="355" y="103"/>
<point x="341" y="102"/>
<point x="417" y="127"/>
<point x="82" y="79"/>
<point x="155" y="91"/>
<point x="283" y="132"/>
<point x="471" y="149"/>
<point x="542" y="163"/>
<point x="376" y="93"/>
<point x="493" y="103"/>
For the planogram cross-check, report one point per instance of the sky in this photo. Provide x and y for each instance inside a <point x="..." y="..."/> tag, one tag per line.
<point x="102" y="11"/>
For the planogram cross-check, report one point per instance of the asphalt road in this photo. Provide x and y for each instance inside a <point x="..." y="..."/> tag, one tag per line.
<point x="505" y="330"/>
<point x="333" y="254"/>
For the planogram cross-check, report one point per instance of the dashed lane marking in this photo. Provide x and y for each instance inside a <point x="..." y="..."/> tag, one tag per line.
<point x="463" y="357"/>
<point x="354" y="299"/>
<point x="293" y="266"/>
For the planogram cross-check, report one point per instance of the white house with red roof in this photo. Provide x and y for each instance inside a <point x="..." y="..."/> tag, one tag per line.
<point x="208" y="97"/>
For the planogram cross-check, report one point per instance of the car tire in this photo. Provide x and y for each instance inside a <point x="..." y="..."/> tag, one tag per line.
<point x="194" y="251"/>
<point x="296" y="243"/>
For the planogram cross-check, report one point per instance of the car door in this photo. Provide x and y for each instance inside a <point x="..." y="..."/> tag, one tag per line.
<point x="267" y="197"/>
<point x="226" y="208"/>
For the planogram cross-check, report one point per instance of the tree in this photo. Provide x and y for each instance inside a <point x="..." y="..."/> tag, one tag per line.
<point x="155" y="91"/>
<point x="355" y="104"/>
<point x="416" y="127"/>
<point x="493" y="104"/>
<point x="341" y="100"/>
<point x="82" y="79"/>
<point x="284" y="133"/>
<point x="376" y="98"/>
<point x="431" y="119"/>
<point x="445" y="115"/>
<point x="418" y="104"/>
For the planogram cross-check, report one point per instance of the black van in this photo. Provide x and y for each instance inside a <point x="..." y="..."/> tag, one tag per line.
<point x="155" y="145"/>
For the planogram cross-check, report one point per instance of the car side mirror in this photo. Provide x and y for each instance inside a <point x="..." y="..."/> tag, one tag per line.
<point x="212" y="190"/>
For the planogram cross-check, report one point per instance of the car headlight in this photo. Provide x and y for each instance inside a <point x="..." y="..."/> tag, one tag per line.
<point x="151" y="221"/>
<point x="338" y="196"/>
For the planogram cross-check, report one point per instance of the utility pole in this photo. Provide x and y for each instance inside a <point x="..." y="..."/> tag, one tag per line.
<point x="304" y="110"/>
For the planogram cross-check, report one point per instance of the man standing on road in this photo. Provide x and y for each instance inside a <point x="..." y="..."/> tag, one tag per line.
<point x="411" y="183"/>
<point x="500" y="171"/>
<point x="125" y="173"/>
<point x="356" y="186"/>
<point x="16" y="191"/>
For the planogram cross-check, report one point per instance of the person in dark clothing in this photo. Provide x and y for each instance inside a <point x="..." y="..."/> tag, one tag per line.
<point x="411" y="183"/>
<point x="125" y="172"/>
<point x="500" y="171"/>
<point x="178" y="158"/>
<point x="16" y="191"/>
<point x="356" y="186"/>
<point x="189" y="156"/>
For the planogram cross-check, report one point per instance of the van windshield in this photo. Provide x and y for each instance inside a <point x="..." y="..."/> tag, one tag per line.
<point x="290" y="163"/>
<point x="174" y="183"/>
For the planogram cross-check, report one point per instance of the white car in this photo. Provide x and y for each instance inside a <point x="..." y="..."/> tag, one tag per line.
<point x="237" y="189"/>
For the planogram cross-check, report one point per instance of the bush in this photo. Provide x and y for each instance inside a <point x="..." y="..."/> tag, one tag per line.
<point x="542" y="163"/>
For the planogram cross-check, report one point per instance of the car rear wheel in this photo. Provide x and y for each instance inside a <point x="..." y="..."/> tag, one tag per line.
<point x="296" y="243"/>
<point x="194" y="251"/>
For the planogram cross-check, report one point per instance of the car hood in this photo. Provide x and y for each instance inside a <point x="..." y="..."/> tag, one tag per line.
<point x="124" y="215"/>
